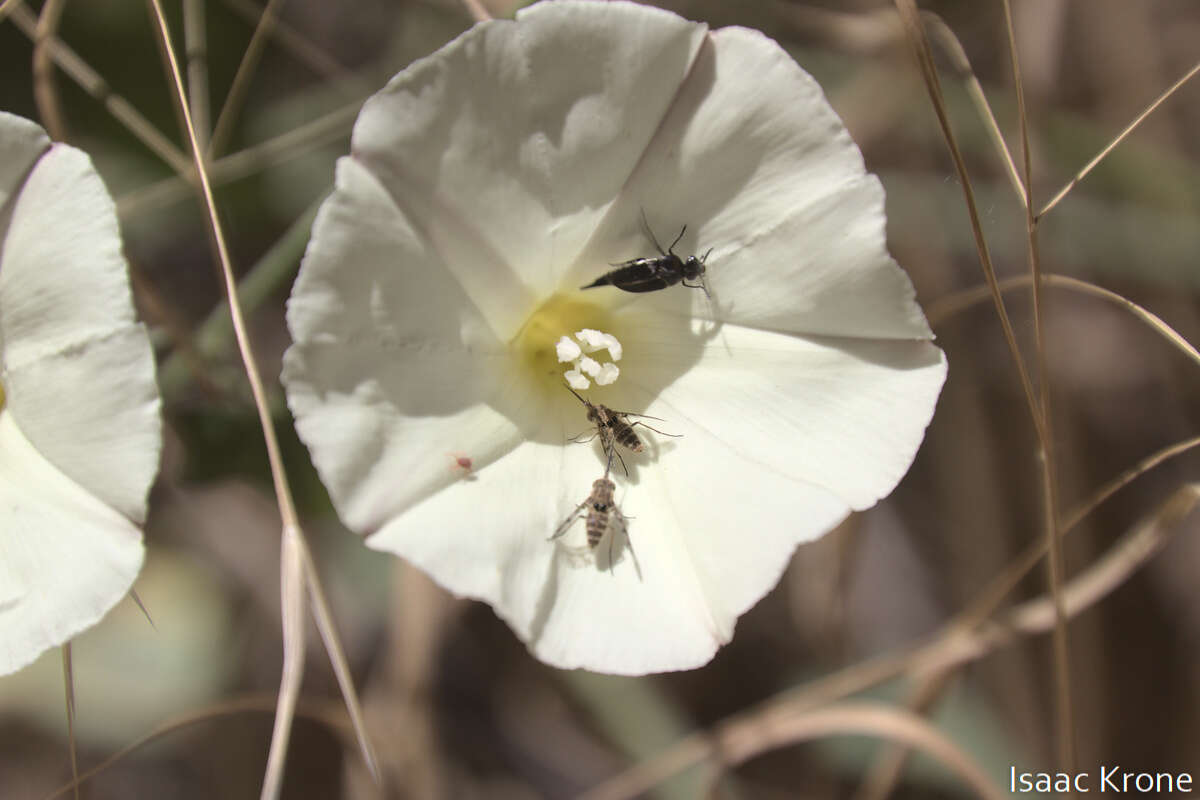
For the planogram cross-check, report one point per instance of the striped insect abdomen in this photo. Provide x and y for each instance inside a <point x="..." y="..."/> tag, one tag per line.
<point x="601" y="503"/>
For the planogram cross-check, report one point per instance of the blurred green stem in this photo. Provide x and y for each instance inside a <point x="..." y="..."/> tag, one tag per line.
<point x="214" y="337"/>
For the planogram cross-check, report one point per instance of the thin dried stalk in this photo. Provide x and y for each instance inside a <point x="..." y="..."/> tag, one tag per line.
<point x="1138" y="120"/>
<point x="293" y="555"/>
<point x="69" y="687"/>
<point x="45" y="91"/>
<point x="241" y="79"/>
<point x="954" y="645"/>
<point x="90" y="81"/>
<point x="1056" y="571"/>
<point x="920" y="45"/>
<point x="195" y="37"/>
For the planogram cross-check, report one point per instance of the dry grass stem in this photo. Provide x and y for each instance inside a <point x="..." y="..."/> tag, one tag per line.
<point x="69" y="687"/>
<point x="291" y="590"/>
<point x="195" y="38"/>
<point x="241" y="80"/>
<point x="45" y="91"/>
<point x="920" y="45"/>
<point x="77" y="70"/>
<point x="1138" y="120"/>
<point x="740" y="743"/>
<point x="952" y="47"/>
<point x="946" y="307"/>
<point x="292" y="557"/>
<point x="292" y="144"/>
<point x="326" y="713"/>
<point x="888" y="769"/>
<point x="477" y="11"/>
<point x="956" y="644"/>
<point x="1056" y="570"/>
<point x="303" y="50"/>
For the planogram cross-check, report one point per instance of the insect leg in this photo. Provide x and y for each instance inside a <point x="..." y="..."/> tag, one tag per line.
<point x="701" y="285"/>
<point x="574" y="515"/>
<point x="656" y="430"/>
<point x="621" y="523"/>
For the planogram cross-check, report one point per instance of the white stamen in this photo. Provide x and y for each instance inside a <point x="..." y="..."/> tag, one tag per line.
<point x="576" y="380"/>
<point x="594" y="340"/>
<point x="589" y="341"/>
<point x="567" y="350"/>
<point x="608" y="373"/>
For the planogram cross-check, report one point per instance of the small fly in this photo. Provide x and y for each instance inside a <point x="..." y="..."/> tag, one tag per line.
<point x="613" y="428"/>
<point x="657" y="272"/>
<point x="602" y="511"/>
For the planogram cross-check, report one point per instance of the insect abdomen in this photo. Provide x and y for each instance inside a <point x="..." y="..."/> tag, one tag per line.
<point x="626" y="437"/>
<point x="598" y="517"/>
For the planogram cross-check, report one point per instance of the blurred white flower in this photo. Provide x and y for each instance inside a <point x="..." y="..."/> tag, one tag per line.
<point x="491" y="180"/>
<point x="79" y="429"/>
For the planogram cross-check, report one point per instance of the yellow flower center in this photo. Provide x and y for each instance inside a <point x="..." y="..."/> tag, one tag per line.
<point x="535" y="343"/>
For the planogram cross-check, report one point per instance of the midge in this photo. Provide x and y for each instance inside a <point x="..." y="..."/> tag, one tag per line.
<point x="658" y="272"/>
<point x="614" y="427"/>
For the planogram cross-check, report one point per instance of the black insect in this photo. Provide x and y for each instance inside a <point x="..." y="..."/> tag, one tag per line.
<point x="613" y="428"/>
<point x="658" y="272"/>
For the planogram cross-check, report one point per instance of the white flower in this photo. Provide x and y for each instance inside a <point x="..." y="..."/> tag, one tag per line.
<point x="79" y="429"/>
<point x="487" y="183"/>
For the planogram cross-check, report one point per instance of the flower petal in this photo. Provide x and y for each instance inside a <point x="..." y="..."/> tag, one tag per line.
<point x="515" y="127"/>
<point x="843" y="414"/>
<point x="21" y="143"/>
<point x="67" y="557"/>
<point x="77" y="370"/>
<point x="753" y="159"/>
<point x="392" y="367"/>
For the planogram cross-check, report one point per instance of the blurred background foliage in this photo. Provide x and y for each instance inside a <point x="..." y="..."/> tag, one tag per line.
<point x="456" y="706"/>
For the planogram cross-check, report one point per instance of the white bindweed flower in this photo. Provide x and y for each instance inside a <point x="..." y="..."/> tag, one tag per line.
<point x="79" y="429"/>
<point x="491" y="180"/>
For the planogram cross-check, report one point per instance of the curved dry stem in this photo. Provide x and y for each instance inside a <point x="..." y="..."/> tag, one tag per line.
<point x="1138" y="120"/>
<point x="324" y="713"/>
<point x="958" y="642"/>
<point x="293" y="556"/>
<point x="1101" y="578"/>
<point x="751" y="738"/>
<point x="949" y="305"/>
<point x="90" y="81"/>
<point x="889" y="766"/>
<point x="297" y="570"/>
<point x="45" y="91"/>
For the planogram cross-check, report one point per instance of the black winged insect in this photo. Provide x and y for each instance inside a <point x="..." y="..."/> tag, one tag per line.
<point x="657" y="272"/>
<point x="613" y="428"/>
<point x="602" y="510"/>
